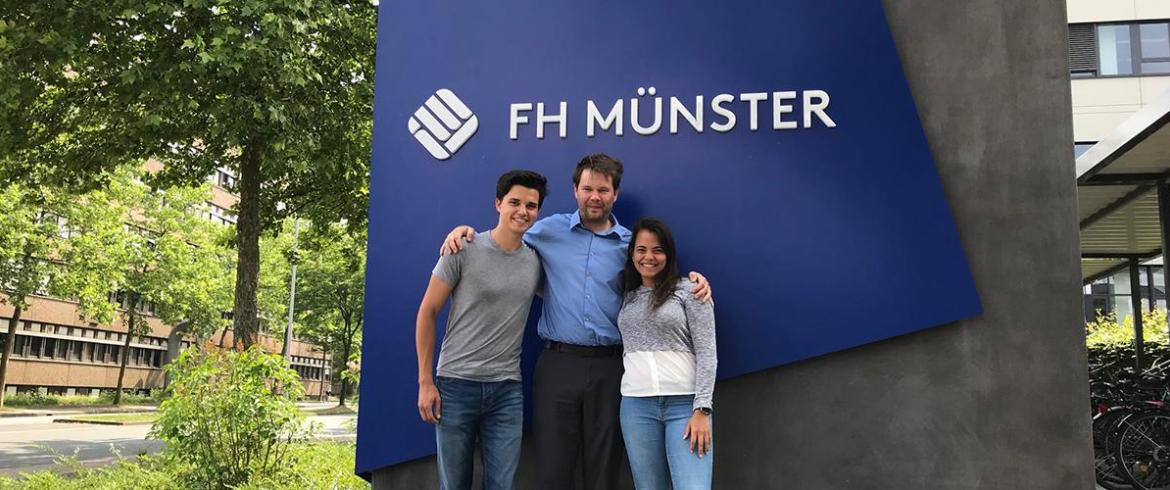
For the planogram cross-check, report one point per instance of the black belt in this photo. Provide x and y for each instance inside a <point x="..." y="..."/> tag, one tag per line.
<point x="584" y="350"/>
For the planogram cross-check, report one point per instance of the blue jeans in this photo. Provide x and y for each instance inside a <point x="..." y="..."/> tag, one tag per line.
<point x="653" y="429"/>
<point x="490" y="413"/>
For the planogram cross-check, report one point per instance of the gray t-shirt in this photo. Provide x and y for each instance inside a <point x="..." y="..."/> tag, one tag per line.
<point x="491" y="293"/>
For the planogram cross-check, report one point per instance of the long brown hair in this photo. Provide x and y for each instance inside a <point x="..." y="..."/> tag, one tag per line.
<point x="666" y="279"/>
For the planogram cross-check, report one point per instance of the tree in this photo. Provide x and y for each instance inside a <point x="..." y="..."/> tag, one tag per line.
<point x="280" y="91"/>
<point x="29" y="239"/>
<point x="331" y="292"/>
<point x="152" y="248"/>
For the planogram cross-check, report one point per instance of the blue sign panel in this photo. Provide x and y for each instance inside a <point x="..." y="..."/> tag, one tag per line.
<point x="778" y="139"/>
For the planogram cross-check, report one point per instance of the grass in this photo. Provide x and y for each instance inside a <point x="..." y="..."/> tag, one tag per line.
<point x="334" y="410"/>
<point x="115" y="419"/>
<point x="319" y="465"/>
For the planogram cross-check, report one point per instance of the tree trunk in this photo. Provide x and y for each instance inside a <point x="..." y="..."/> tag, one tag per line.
<point x="9" y="339"/>
<point x="174" y="346"/>
<point x="245" y="318"/>
<point x="125" y="351"/>
<point x="345" y="362"/>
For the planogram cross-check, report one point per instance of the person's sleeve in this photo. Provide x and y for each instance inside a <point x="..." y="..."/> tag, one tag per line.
<point x="450" y="268"/>
<point x="701" y="323"/>
<point x="534" y="234"/>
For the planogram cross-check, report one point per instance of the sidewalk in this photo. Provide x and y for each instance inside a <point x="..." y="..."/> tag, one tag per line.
<point x="104" y="409"/>
<point x="74" y="410"/>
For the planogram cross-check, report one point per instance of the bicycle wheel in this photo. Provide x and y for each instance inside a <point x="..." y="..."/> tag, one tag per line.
<point x="1105" y="465"/>
<point x="1142" y="450"/>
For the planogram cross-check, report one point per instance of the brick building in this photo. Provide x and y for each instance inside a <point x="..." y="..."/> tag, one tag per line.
<point x="56" y="352"/>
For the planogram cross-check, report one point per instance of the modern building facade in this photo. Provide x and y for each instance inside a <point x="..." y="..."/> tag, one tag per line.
<point x="56" y="352"/>
<point x="1119" y="56"/>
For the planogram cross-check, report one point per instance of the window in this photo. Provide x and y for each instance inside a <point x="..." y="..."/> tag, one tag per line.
<point x="1154" y="47"/>
<point x="18" y="345"/>
<point x="1115" y="49"/>
<point x="1119" y="49"/>
<point x="99" y="353"/>
<point x="34" y="346"/>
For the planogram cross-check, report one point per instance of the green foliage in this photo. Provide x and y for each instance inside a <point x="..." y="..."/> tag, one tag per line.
<point x="230" y="417"/>
<point x="29" y="236"/>
<point x="275" y="260"/>
<point x="147" y="473"/>
<point x="280" y="91"/>
<point x="315" y="466"/>
<point x="330" y="296"/>
<point x="153" y="245"/>
<point x="1106" y="331"/>
<point x="36" y="399"/>
<point x="325" y="465"/>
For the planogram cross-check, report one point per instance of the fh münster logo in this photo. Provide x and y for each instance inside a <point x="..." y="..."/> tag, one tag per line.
<point x="443" y="124"/>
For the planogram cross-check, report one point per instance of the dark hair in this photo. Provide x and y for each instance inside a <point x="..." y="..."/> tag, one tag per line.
<point x="668" y="278"/>
<point x="602" y="164"/>
<point x="522" y="178"/>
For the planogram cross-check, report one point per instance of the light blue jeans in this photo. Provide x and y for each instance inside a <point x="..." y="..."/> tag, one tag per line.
<point x="653" y="429"/>
<point x="490" y="413"/>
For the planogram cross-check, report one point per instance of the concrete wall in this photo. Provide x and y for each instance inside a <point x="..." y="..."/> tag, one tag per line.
<point x="997" y="402"/>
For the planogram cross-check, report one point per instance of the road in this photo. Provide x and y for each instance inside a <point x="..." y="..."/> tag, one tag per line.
<point x="33" y="443"/>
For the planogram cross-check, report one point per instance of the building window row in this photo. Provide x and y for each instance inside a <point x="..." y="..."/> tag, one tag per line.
<point x="219" y="214"/>
<point x="81" y="332"/>
<point x="223" y="178"/>
<point x="32" y="347"/>
<point x="311" y="361"/>
<point x="309" y="373"/>
<point x="1128" y="49"/>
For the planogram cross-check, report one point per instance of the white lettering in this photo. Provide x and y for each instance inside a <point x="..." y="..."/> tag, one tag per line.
<point x="515" y="119"/>
<point x="779" y="109"/>
<point x="717" y="106"/>
<point x="561" y="119"/>
<point x="753" y="100"/>
<point x="695" y="118"/>
<point x="818" y="108"/>
<point x="636" y="123"/>
<point x="594" y="116"/>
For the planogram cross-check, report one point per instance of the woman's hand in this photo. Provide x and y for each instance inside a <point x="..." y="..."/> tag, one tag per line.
<point x="698" y="432"/>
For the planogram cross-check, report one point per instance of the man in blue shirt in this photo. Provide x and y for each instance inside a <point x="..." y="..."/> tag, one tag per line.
<point x="577" y="383"/>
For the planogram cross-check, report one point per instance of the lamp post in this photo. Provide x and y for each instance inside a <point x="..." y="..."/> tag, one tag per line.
<point x="292" y="294"/>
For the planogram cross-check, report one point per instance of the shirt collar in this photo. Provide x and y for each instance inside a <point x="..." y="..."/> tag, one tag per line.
<point x="615" y="231"/>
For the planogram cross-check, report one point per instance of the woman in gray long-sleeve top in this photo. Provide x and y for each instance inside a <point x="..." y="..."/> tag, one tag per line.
<point x="669" y="356"/>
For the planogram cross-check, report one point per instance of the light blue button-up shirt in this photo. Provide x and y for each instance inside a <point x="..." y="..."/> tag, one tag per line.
<point x="583" y="279"/>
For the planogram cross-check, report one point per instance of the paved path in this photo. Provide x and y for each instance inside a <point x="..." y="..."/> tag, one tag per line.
<point x="34" y="443"/>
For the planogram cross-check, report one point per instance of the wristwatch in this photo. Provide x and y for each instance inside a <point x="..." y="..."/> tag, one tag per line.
<point x="705" y="410"/>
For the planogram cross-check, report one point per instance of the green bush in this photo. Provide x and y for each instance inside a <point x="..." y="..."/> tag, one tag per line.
<point x="146" y="473"/>
<point x="315" y="466"/>
<point x="33" y="399"/>
<point x="36" y="399"/>
<point x="1106" y="331"/>
<point x="229" y="417"/>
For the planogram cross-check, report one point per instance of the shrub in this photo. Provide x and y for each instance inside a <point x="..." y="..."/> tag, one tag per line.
<point x="229" y="417"/>
<point x="317" y="466"/>
<point x="1106" y="331"/>
<point x="32" y="399"/>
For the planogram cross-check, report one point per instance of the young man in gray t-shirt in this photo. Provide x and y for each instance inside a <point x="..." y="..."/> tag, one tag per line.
<point x="476" y="393"/>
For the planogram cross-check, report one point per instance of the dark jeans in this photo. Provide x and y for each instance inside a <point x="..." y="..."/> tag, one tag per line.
<point x="490" y="413"/>
<point x="576" y="417"/>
